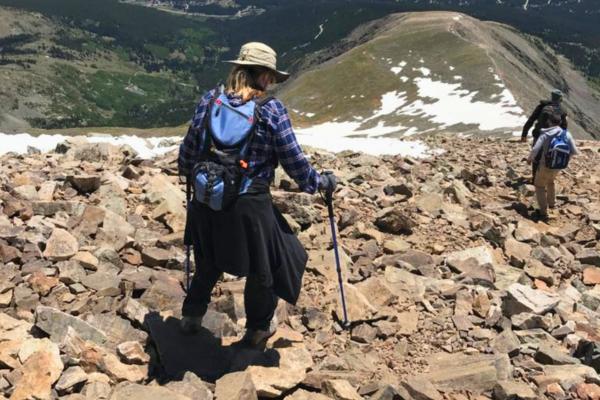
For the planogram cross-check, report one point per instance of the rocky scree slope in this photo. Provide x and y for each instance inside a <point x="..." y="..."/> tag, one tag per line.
<point x="422" y="72"/>
<point x="454" y="292"/>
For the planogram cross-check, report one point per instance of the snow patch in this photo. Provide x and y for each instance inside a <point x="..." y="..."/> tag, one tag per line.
<point x="340" y="136"/>
<point x="454" y="105"/>
<point x="423" y="70"/>
<point x="146" y="148"/>
<point x="19" y="143"/>
<point x="390" y="102"/>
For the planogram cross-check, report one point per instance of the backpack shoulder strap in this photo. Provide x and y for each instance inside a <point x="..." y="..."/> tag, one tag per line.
<point x="264" y="101"/>
<point x="260" y="104"/>
<point x="257" y="118"/>
<point x="206" y="139"/>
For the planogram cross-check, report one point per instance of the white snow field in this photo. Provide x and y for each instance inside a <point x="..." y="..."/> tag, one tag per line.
<point x="331" y="137"/>
<point x="340" y="136"/>
<point x="146" y="148"/>
<point x="454" y="105"/>
<point x="444" y="104"/>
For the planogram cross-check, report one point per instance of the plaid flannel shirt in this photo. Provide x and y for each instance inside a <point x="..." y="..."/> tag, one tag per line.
<point x="274" y="142"/>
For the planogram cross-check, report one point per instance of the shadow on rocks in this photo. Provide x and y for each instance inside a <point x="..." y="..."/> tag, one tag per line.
<point x="202" y="353"/>
<point x="521" y="209"/>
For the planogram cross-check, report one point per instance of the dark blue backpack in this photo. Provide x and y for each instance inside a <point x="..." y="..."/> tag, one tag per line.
<point x="220" y="175"/>
<point x="559" y="151"/>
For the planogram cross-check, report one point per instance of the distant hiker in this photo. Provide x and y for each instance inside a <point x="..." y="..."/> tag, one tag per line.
<point x="552" y="152"/>
<point x="540" y="116"/>
<point x="229" y="155"/>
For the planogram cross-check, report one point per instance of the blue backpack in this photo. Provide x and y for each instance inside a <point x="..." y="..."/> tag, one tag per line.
<point x="221" y="173"/>
<point x="559" y="151"/>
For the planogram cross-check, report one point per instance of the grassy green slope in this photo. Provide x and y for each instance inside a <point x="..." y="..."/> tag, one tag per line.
<point x="351" y="85"/>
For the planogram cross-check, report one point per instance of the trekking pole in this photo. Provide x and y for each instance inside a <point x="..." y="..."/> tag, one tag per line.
<point x="187" y="236"/>
<point x="329" y="201"/>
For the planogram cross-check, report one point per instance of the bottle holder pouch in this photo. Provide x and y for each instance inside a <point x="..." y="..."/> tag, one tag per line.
<point x="216" y="186"/>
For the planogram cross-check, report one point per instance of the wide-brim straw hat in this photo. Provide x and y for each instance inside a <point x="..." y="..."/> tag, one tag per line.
<point x="259" y="54"/>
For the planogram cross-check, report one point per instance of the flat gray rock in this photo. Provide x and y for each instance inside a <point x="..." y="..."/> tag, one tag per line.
<point x="134" y="391"/>
<point x="55" y="323"/>
<point x="521" y="298"/>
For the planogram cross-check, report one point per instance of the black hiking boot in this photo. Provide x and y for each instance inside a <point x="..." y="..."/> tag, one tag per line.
<point x="257" y="338"/>
<point x="539" y="216"/>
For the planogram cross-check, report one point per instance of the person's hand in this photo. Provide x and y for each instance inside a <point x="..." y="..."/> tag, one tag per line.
<point x="328" y="182"/>
<point x="524" y="139"/>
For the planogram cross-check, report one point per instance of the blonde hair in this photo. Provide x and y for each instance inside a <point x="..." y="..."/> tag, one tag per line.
<point x="243" y="81"/>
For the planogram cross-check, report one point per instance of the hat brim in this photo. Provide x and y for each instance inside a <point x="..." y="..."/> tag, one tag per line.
<point x="280" y="76"/>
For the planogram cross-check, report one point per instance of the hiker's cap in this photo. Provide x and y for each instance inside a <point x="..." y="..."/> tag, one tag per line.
<point x="557" y="94"/>
<point x="259" y="54"/>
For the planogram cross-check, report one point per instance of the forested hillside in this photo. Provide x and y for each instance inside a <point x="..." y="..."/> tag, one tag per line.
<point x="69" y="63"/>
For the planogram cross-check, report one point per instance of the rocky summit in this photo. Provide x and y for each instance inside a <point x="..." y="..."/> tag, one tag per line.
<point x="454" y="291"/>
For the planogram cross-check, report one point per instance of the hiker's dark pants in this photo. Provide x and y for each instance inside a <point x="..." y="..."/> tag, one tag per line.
<point x="260" y="302"/>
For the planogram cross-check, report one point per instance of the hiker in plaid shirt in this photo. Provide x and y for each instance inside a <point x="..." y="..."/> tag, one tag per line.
<point x="250" y="238"/>
<point x="273" y="142"/>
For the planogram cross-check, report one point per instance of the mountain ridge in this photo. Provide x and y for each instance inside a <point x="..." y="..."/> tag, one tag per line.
<point x="488" y="61"/>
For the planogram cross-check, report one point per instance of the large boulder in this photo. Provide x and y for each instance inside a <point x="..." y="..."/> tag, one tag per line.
<point x="85" y="183"/>
<point x="589" y="256"/>
<point x="104" y="283"/>
<point x="274" y="381"/>
<point x="42" y="366"/>
<point x="236" y="386"/>
<point x="61" y="245"/>
<point x="507" y="390"/>
<point x="521" y="298"/>
<point x="192" y="387"/>
<point x="395" y="220"/>
<point x="164" y="294"/>
<point x="116" y="232"/>
<point x="482" y="254"/>
<point x="476" y="373"/>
